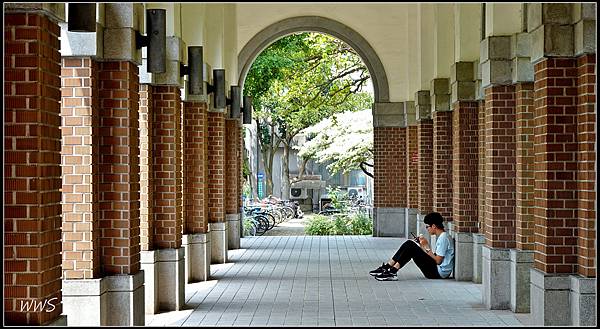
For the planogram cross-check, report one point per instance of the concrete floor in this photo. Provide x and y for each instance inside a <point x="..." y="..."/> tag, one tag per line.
<point x="324" y="281"/>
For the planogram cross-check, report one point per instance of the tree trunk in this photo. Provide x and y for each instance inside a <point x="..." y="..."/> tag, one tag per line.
<point x="302" y="168"/>
<point x="269" y="173"/>
<point x="285" y="163"/>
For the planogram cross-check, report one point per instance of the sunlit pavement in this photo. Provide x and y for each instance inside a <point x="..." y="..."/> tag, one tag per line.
<point x="324" y="281"/>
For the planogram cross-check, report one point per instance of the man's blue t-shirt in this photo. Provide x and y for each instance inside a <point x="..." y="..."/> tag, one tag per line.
<point x="445" y="248"/>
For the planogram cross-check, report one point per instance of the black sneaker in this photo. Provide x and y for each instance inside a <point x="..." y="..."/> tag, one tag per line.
<point x="380" y="269"/>
<point x="387" y="275"/>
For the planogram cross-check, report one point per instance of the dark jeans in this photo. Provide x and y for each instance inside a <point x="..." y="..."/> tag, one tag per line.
<point x="411" y="250"/>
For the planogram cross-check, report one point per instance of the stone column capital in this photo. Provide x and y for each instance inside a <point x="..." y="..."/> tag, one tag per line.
<point x="389" y="114"/>
<point x="440" y="95"/>
<point x="422" y="105"/>
<point x="176" y="55"/>
<point x="78" y="44"/>
<point x="121" y="22"/>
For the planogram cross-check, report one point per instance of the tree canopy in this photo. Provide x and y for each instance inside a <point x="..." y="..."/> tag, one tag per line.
<point x="298" y="81"/>
<point x="345" y="140"/>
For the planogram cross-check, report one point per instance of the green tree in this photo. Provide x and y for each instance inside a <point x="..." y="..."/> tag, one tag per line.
<point x="298" y="81"/>
<point x="345" y="140"/>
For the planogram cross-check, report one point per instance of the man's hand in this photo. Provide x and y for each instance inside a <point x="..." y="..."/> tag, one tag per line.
<point x="423" y="242"/>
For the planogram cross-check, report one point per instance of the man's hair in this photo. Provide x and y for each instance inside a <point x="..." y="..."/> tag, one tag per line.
<point x="434" y="218"/>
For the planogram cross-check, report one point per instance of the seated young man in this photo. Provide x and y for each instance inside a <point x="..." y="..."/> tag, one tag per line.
<point x="436" y="265"/>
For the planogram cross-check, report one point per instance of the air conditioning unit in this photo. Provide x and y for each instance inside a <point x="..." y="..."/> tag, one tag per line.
<point x="356" y="192"/>
<point x="298" y="193"/>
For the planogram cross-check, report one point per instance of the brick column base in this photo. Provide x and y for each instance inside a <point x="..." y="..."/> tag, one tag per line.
<point x="108" y="301"/>
<point x="496" y="278"/>
<point x="218" y="242"/>
<point x="197" y="256"/>
<point x="521" y="262"/>
<point x="233" y="230"/>
<point x="165" y="281"/>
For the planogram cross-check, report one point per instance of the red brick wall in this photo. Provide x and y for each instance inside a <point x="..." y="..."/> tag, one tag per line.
<point x="412" y="169"/>
<point x="240" y="157"/>
<point x="525" y="158"/>
<point x="389" y="167"/>
<point x="216" y="169"/>
<point x="465" y="162"/>
<point x="231" y="167"/>
<point x="556" y="165"/>
<point x="425" y="141"/>
<point x="195" y="167"/>
<point x="119" y="168"/>
<point x="146" y="165"/>
<point x="442" y="163"/>
<point x="586" y="160"/>
<point x="32" y="223"/>
<point x="166" y="144"/>
<point x="500" y="167"/>
<point x="80" y="168"/>
<point x="481" y="166"/>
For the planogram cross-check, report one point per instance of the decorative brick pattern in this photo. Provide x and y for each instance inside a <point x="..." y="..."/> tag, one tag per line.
<point x="166" y="148"/>
<point x="146" y="165"/>
<point x="425" y="144"/>
<point x="556" y="165"/>
<point x="195" y="167"/>
<point x="586" y="164"/>
<point x="216" y="167"/>
<point x="80" y="168"/>
<point x="465" y="162"/>
<point x="231" y="167"/>
<point x="500" y="167"/>
<point x="481" y="166"/>
<point x="525" y="158"/>
<point x="119" y="168"/>
<point x="389" y="167"/>
<point x="32" y="146"/>
<point x="412" y="169"/>
<point x="442" y="163"/>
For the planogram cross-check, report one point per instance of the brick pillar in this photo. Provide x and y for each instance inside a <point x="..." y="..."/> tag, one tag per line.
<point x="425" y="193"/>
<point x="412" y="169"/>
<point x="556" y="165"/>
<point x="479" y="238"/>
<point x="119" y="168"/>
<point x="390" y="179"/>
<point x="465" y="131"/>
<point x="442" y="163"/>
<point x="216" y="186"/>
<point x="481" y="166"/>
<point x="146" y="168"/>
<point x="80" y="168"/>
<point x="231" y="183"/>
<point x="240" y="148"/>
<point x="168" y="197"/>
<point x="195" y="167"/>
<point x="412" y="178"/>
<point x="525" y="165"/>
<point x="586" y="164"/>
<point x="465" y="146"/>
<point x="32" y="224"/>
<point x="500" y="171"/>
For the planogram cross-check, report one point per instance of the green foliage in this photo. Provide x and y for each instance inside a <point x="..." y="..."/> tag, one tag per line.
<point x="248" y="228"/>
<point x="361" y="224"/>
<point x="341" y="224"/>
<point x="318" y="225"/>
<point x="339" y="199"/>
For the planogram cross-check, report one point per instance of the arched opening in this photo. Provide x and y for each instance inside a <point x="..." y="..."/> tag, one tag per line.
<point x="316" y="24"/>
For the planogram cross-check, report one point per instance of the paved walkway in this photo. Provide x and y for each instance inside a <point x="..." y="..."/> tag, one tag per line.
<point x="324" y="281"/>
